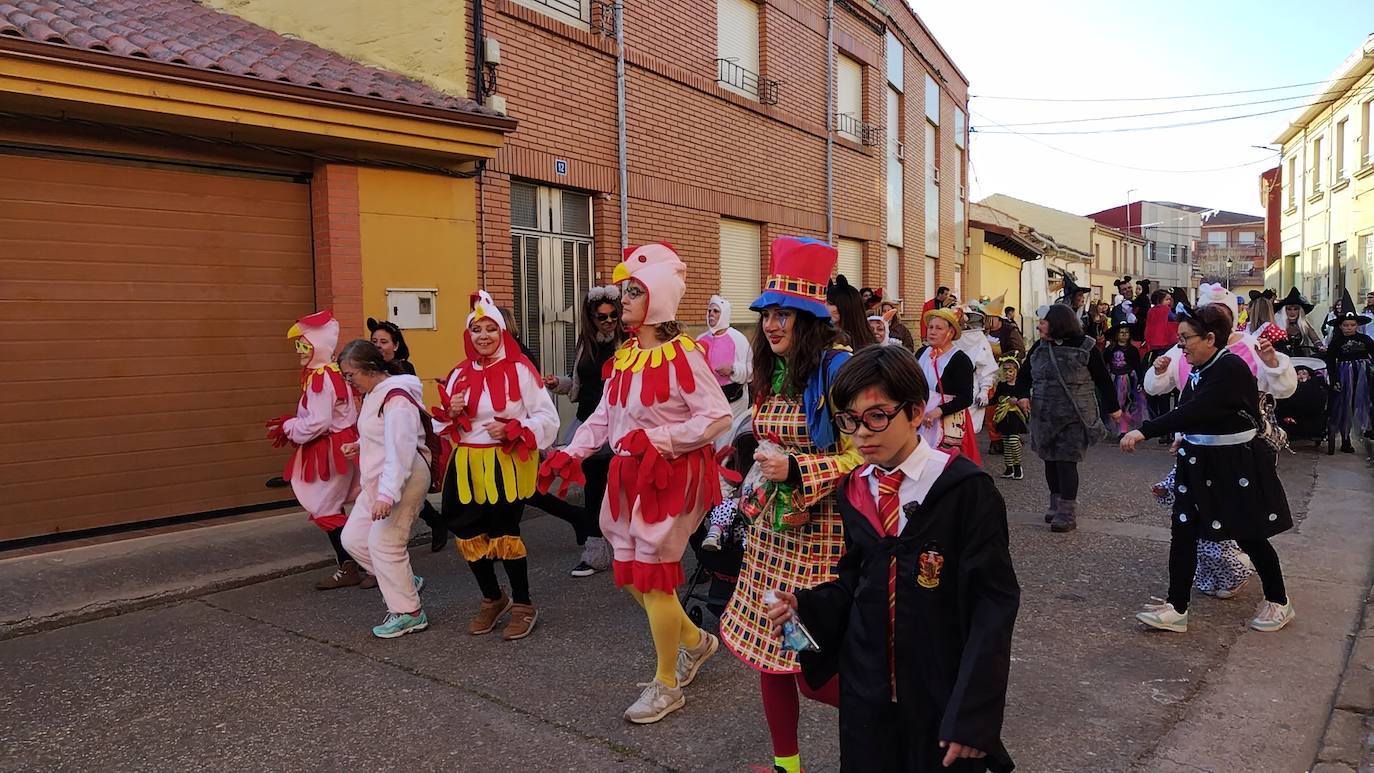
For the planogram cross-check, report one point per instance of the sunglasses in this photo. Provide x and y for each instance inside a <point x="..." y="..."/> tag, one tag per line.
<point x="875" y="419"/>
<point x="608" y="317"/>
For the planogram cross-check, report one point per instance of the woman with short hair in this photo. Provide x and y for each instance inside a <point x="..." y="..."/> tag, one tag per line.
<point x="1227" y="483"/>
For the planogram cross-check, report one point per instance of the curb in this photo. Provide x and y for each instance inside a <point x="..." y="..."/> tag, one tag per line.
<point x="116" y="607"/>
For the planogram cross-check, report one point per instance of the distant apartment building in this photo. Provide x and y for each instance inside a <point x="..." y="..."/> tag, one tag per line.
<point x="1327" y="173"/>
<point x="1168" y="232"/>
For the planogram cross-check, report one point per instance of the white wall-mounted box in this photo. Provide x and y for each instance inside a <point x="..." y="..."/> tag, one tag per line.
<point x="411" y="308"/>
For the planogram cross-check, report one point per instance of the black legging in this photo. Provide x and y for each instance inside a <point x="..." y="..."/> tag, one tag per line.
<point x="1062" y="478"/>
<point x="1183" y="565"/>
<point x="336" y="541"/>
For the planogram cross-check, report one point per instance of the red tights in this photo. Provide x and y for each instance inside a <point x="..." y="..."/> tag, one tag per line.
<point x="782" y="707"/>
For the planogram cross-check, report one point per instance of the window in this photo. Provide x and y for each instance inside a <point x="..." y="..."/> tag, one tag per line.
<point x="1315" y="276"/>
<point x="958" y="128"/>
<point x="849" y="97"/>
<point x="930" y="279"/>
<point x="892" y="287"/>
<point x="1216" y="237"/>
<point x="932" y="192"/>
<point x="1247" y="237"/>
<point x="575" y="12"/>
<point x="959" y="195"/>
<point x="740" y="258"/>
<point x="1339" y="150"/>
<point x="1173" y="253"/>
<point x="932" y="100"/>
<point x="1316" y="166"/>
<point x="1113" y="256"/>
<point x="737" y="46"/>
<point x="1291" y="182"/>
<point x="851" y="262"/>
<point x="1183" y="254"/>
<point x="1365" y="127"/>
<point x="894" y="167"/>
<point x="1366" y="264"/>
<point x="896" y="65"/>
<point x="1097" y="253"/>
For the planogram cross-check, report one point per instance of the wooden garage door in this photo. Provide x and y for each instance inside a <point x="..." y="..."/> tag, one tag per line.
<point x="145" y="311"/>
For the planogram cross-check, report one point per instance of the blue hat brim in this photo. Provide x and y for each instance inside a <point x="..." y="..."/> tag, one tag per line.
<point x="782" y="300"/>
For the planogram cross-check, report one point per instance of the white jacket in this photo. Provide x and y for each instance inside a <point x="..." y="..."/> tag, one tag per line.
<point x="1281" y="382"/>
<point x="390" y="434"/>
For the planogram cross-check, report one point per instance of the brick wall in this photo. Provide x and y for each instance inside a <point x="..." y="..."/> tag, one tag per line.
<point x="338" y="245"/>
<point x="697" y="152"/>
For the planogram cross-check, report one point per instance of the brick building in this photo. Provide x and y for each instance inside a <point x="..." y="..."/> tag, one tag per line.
<point x="725" y="148"/>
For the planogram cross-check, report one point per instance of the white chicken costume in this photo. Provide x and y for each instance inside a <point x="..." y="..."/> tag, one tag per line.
<point x="321" y="477"/>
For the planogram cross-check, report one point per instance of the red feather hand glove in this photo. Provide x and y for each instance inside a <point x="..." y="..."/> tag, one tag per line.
<point x="520" y="442"/>
<point x="655" y="475"/>
<point x="722" y="460"/>
<point x="276" y="433"/>
<point x="560" y="464"/>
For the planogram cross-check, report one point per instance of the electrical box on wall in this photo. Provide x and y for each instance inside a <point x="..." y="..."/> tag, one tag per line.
<point x="412" y="308"/>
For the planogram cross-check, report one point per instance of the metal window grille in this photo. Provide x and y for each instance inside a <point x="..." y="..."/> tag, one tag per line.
<point x="852" y="126"/>
<point x="742" y="79"/>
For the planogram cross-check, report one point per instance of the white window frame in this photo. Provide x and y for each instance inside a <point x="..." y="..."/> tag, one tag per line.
<point x="1317" y="165"/>
<point x="849" y="95"/>
<point x="895" y="63"/>
<point x="1338" y="153"/>
<point x="1291" y="183"/>
<point x="563" y="10"/>
<point x="845" y="264"/>
<point x="895" y="168"/>
<point x="1365" y="127"/>
<point x="735" y="20"/>
<point x="741" y="250"/>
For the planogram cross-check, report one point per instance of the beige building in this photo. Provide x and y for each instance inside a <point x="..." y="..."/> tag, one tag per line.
<point x="1327" y="225"/>
<point x="1115" y="254"/>
<point x="1063" y="238"/>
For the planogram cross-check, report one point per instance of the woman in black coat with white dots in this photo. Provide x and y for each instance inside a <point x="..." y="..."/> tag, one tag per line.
<point x="1227" y="480"/>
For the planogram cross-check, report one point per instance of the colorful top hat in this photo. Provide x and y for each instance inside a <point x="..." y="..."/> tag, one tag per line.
<point x="798" y="270"/>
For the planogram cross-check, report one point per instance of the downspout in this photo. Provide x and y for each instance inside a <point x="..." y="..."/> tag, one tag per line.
<point x="620" y="124"/>
<point x="830" y="122"/>
<point x="478" y="72"/>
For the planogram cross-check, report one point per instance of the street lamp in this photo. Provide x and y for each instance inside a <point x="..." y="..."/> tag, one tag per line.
<point x="1228" y="273"/>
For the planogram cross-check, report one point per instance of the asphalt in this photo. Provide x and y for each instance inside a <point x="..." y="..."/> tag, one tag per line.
<point x="251" y="673"/>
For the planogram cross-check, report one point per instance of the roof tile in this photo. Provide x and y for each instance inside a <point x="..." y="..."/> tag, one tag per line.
<point x="185" y="33"/>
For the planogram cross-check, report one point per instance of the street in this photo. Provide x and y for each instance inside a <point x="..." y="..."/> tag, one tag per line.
<point x="275" y="675"/>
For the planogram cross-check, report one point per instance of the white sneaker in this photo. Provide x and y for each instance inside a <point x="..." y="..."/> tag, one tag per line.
<point x="1271" y="617"/>
<point x="689" y="662"/>
<point x="712" y="541"/>
<point x="656" y="702"/>
<point x="1164" y="617"/>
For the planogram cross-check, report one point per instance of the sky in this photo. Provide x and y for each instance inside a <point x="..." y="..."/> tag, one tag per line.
<point x="1099" y="49"/>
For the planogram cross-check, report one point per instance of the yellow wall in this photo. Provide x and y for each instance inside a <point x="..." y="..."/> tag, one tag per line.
<point x="419" y="231"/>
<point x="993" y="271"/>
<point x="423" y="38"/>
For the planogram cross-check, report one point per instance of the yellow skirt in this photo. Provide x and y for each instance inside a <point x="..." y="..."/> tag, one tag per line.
<point x="487" y="475"/>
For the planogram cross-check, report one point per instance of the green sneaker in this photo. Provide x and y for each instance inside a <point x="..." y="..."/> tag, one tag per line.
<point x="399" y="625"/>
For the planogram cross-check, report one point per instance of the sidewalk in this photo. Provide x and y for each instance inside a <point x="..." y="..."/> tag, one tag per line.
<point x="63" y="587"/>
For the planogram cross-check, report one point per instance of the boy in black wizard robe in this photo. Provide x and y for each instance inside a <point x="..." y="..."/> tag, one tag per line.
<point x="918" y="623"/>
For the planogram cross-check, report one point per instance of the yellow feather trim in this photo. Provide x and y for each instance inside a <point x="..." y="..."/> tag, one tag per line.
<point x="490" y="475"/>
<point x="507" y="476"/>
<point x="507" y="548"/>
<point x="634" y="359"/>
<point x="474" y="549"/>
<point x="460" y="463"/>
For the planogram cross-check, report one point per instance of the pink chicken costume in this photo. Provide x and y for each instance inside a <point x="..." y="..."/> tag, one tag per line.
<point x="661" y="411"/>
<point x="325" y="419"/>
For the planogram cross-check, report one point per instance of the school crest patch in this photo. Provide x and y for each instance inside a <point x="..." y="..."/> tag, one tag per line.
<point x="928" y="566"/>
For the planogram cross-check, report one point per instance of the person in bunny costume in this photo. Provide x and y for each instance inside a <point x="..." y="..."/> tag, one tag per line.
<point x="662" y="409"/>
<point x="320" y="475"/>
<point x="1222" y="567"/>
<point x="498" y="415"/>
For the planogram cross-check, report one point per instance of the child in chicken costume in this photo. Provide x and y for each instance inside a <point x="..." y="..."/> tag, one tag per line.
<point x="661" y="411"/>
<point x="325" y="419"/>
<point x="497" y="415"/>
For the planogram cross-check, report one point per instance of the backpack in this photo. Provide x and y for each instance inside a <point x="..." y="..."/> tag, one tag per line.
<point x="432" y="442"/>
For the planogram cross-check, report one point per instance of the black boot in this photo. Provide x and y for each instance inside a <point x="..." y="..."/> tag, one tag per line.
<point x="438" y="530"/>
<point x="1016" y="473"/>
<point x="1067" y="517"/>
<point x="1008" y="472"/>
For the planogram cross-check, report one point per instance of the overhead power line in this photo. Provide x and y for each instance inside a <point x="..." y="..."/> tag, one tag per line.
<point x="1154" y="99"/>
<point x="1266" y="159"/>
<point x="1180" y="111"/>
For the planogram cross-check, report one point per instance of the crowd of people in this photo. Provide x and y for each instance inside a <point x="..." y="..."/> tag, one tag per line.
<point x="874" y="567"/>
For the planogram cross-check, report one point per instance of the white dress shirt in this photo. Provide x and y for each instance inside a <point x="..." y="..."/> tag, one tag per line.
<point x="919" y="471"/>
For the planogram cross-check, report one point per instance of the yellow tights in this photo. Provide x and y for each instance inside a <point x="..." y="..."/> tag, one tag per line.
<point x="670" y="627"/>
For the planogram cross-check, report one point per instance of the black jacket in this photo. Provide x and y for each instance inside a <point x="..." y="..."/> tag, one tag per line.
<point x="953" y="627"/>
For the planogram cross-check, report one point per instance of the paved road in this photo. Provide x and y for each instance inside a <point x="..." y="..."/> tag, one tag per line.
<point x="277" y="676"/>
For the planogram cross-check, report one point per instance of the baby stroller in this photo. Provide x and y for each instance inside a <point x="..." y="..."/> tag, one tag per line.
<point x="1303" y="416"/>
<point x="712" y="582"/>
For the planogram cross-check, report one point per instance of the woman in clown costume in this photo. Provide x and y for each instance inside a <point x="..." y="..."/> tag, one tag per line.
<point x="498" y="415"/>
<point x="320" y="476"/>
<point x="796" y="537"/>
<point x="661" y="410"/>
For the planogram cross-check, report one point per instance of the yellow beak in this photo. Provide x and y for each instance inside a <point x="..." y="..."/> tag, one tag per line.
<point x="620" y="274"/>
<point x="294" y="332"/>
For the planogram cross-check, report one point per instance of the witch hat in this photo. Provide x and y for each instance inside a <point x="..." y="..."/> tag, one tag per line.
<point x="1294" y="298"/>
<point x="1071" y="289"/>
<point x="1348" y="310"/>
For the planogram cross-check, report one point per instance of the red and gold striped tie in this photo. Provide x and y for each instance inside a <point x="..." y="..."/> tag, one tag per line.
<point x="890" y="510"/>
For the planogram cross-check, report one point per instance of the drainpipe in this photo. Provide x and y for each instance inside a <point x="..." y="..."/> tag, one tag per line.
<point x="478" y="70"/>
<point x="830" y="122"/>
<point x="620" y="124"/>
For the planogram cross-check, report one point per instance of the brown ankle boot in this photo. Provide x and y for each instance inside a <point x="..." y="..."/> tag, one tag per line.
<point x="485" y="619"/>
<point x="522" y="617"/>
<point x="345" y="576"/>
<point x="1067" y="517"/>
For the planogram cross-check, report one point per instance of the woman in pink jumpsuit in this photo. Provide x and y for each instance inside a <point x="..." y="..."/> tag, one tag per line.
<point x="661" y="411"/>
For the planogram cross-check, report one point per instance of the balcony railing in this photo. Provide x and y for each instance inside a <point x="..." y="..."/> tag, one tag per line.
<point x="730" y="73"/>
<point x="1214" y="251"/>
<point x="851" y="126"/>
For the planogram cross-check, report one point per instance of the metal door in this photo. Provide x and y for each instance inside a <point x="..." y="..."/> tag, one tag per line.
<point x="552" y="250"/>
